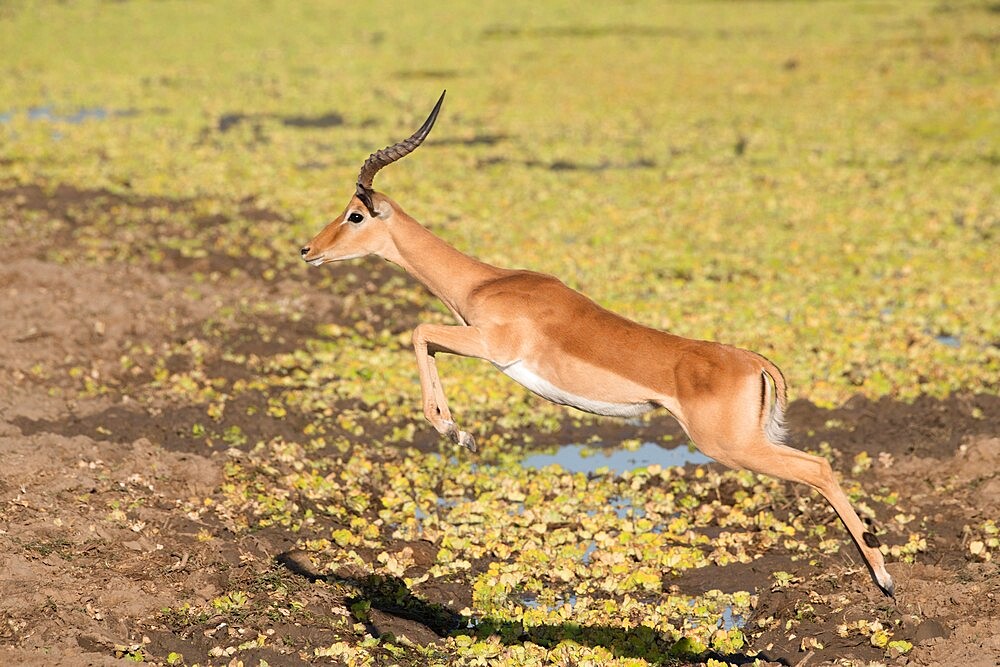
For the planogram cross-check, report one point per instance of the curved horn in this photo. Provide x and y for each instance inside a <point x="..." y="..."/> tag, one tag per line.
<point x="390" y="154"/>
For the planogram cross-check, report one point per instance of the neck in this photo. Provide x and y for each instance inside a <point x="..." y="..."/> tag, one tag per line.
<point x="449" y="274"/>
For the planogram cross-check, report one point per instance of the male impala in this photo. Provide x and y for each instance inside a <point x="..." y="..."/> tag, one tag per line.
<point x="566" y="348"/>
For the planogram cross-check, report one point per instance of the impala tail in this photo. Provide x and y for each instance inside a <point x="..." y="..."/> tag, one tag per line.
<point x="773" y="399"/>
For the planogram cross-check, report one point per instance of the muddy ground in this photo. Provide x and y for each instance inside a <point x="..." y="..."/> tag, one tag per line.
<point x="80" y="585"/>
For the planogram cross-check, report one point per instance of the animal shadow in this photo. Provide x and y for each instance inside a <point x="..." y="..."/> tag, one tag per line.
<point x="391" y="596"/>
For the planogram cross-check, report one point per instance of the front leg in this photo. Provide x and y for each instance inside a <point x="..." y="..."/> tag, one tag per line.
<point x="428" y="340"/>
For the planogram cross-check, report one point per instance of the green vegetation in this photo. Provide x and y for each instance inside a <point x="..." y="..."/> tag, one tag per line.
<point x="814" y="181"/>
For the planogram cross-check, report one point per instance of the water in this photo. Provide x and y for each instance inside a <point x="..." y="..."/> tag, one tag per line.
<point x="586" y="459"/>
<point x="950" y="341"/>
<point x="47" y="113"/>
<point x="530" y="601"/>
<point x="731" y="620"/>
<point x="728" y="621"/>
<point x="624" y="508"/>
<point x="442" y="503"/>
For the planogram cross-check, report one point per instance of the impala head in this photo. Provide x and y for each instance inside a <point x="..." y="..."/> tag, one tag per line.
<point x="361" y="229"/>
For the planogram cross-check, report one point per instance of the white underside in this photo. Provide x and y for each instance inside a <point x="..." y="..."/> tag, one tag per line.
<point x="527" y="378"/>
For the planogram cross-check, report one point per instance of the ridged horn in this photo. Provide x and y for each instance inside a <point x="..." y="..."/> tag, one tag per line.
<point x="390" y="154"/>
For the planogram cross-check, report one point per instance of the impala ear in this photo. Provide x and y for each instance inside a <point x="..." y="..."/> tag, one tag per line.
<point x="365" y="195"/>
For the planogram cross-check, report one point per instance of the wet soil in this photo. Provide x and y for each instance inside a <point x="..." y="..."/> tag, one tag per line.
<point x="97" y="537"/>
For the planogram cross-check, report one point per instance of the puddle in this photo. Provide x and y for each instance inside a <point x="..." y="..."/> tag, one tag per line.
<point x="443" y="504"/>
<point x="731" y="620"/>
<point x="950" y="341"/>
<point x="728" y="621"/>
<point x="624" y="508"/>
<point x="48" y="113"/>
<point x="530" y="600"/>
<point x="587" y="459"/>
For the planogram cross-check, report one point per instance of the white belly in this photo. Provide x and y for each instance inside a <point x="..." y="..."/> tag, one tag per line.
<point x="518" y="372"/>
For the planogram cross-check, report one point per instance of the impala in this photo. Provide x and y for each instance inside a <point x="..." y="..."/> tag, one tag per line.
<point x="568" y="349"/>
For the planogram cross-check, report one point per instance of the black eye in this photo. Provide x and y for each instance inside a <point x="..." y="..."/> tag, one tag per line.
<point x="355" y="217"/>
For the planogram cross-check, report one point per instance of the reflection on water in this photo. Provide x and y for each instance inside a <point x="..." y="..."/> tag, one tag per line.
<point x="587" y="459"/>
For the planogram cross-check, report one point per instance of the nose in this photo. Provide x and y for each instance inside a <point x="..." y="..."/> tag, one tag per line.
<point x="304" y="251"/>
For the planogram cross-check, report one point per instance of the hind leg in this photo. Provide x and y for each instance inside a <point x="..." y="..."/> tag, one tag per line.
<point x="787" y="463"/>
<point x="730" y="430"/>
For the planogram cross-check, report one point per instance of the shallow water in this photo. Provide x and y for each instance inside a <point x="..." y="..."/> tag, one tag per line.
<point x="48" y="113"/>
<point x="624" y="508"/>
<point x="442" y="503"/>
<point x="587" y="459"/>
<point x="530" y="601"/>
<point x="950" y="341"/>
<point x="731" y="620"/>
<point x="727" y="621"/>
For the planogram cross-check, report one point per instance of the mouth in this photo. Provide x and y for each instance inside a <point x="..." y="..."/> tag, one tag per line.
<point x="315" y="262"/>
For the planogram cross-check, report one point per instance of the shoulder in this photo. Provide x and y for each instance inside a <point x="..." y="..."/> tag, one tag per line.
<point x="520" y="283"/>
<point x="524" y="295"/>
